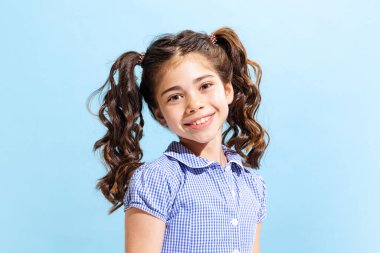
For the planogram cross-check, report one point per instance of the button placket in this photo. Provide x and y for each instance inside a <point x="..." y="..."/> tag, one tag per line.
<point x="231" y="183"/>
<point x="224" y="184"/>
<point x="233" y="195"/>
<point x="234" y="221"/>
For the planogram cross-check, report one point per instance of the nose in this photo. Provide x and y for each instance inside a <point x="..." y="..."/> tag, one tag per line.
<point x="195" y="103"/>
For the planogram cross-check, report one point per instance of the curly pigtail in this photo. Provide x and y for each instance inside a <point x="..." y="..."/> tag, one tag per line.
<point x="246" y="101"/>
<point x="120" y="111"/>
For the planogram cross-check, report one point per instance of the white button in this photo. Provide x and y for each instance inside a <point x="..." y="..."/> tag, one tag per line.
<point x="234" y="222"/>
<point x="236" y="251"/>
<point x="228" y="168"/>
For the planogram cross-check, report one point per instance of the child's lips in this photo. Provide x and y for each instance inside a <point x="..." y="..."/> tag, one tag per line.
<point x="196" y="119"/>
<point x="202" y="125"/>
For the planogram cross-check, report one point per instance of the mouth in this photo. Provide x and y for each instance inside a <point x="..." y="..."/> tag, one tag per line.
<point x="201" y="122"/>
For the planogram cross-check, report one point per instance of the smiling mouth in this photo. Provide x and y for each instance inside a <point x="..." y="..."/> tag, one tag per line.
<point x="201" y="121"/>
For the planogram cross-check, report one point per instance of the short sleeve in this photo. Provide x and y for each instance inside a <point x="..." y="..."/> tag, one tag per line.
<point x="260" y="191"/>
<point x="151" y="189"/>
<point x="262" y="199"/>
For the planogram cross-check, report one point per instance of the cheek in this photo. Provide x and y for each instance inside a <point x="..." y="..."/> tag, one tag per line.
<point x="172" y="115"/>
<point x="220" y="100"/>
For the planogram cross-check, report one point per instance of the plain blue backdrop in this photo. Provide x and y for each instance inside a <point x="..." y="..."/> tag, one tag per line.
<point x="320" y="105"/>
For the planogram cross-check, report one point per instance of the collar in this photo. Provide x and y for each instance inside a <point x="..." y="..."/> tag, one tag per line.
<point x="179" y="152"/>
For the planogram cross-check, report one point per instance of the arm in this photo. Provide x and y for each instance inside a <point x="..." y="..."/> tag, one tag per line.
<point x="143" y="232"/>
<point x="256" y="247"/>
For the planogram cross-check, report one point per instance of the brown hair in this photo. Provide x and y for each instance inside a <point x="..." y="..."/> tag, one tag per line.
<point x="121" y="110"/>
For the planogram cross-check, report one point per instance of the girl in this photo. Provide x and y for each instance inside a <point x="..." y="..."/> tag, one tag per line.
<point x="197" y="196"/>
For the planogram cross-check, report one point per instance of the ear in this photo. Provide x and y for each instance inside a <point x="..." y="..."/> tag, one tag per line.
<point x="229" y="91"/>
<point x="159" y="116"/>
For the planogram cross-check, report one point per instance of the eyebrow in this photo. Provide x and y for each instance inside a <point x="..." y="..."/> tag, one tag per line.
<point x="176" y="87"/>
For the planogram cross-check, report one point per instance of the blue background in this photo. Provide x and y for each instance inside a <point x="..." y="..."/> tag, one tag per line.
<point x="320" y="89"/>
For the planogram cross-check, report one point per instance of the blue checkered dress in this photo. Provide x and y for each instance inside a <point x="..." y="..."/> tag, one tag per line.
<point x="206" y="208"/>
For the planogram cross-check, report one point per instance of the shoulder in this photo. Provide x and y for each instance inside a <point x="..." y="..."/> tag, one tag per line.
<point x="255" y="180"/>
<point x="253" y="174"/>
<point x="258" y="187"/>
<point x="153" y="187"/>
<point x="160" y="168"/>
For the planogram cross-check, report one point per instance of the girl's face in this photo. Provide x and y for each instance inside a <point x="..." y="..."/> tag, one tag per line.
<point x="192" y="100"/>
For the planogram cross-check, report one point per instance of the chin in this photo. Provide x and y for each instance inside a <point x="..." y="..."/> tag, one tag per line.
<point x="199" y="139"/>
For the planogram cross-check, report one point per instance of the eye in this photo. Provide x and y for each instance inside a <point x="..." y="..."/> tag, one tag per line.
<point x="174" y="97"/>
<point x="206" y="85"/>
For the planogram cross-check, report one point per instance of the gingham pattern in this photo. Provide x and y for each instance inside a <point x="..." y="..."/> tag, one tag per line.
<point x="206" y="208"/>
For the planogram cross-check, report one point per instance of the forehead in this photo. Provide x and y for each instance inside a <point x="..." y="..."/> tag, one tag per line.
<point x="182" y="70"/>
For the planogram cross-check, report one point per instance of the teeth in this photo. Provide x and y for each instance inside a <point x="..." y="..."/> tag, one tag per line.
<point x="201" y="121"/>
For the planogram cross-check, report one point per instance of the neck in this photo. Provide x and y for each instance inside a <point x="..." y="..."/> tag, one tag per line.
<point x="211" y="151"/>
